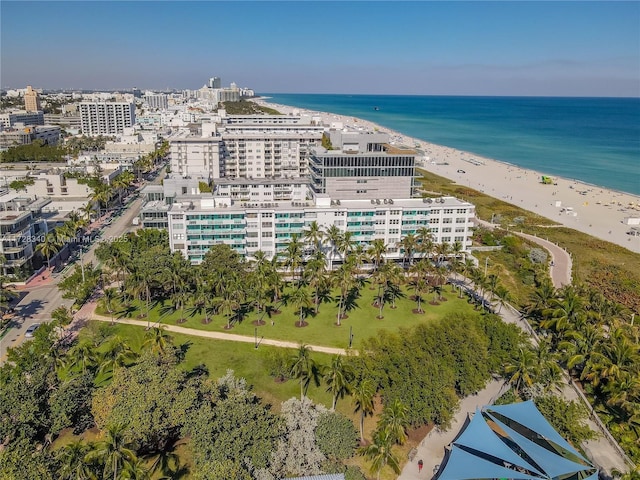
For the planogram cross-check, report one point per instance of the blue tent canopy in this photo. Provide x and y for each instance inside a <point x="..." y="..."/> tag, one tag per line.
<point x="463" y="465"/>
<point x="552" y="463"/>
<point x="528" y="415"/>
<point x="482" y="451"/>
<point x="478" y="436"/>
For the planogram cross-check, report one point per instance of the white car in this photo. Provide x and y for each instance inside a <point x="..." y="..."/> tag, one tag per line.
<point x="31" y="330"/>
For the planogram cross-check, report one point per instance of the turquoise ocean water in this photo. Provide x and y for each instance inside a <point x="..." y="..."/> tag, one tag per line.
<point x="594" y="140"/>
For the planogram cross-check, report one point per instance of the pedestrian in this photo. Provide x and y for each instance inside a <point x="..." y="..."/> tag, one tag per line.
<point x="420" y="465"/>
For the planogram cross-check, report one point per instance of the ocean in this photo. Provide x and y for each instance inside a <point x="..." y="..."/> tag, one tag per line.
<point x="594" y="140"/>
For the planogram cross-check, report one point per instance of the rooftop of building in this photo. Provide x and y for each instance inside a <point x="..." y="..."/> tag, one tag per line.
<point x="261" y="181"/>
<point x="196" y="203"/>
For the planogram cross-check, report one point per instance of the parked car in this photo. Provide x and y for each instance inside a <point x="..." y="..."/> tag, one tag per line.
<point x="461" y="171"/>
<point x="31" y="330"/>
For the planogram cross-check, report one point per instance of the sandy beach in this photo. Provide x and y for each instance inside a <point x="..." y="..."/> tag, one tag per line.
<point x="590" y="209"/>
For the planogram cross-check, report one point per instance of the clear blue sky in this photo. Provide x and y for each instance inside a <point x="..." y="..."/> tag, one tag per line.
<point x="432" y="48"/>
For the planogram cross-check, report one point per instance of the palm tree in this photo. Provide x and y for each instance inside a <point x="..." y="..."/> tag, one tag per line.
<point x="136" y="470"/>
<point x="408" y="245"/>
<point x="344" y="279"/>
<point x="549" y="372"/>
<point x="503" y="295"/>
<point x="419" y="288"/>
<point x="363" y="393"/>
<point x="82" y="354"/>
<point x="380" y="453"/>
<point x="117" y="355"/>
<point x="301" y="300"/>
<point x="71" y="459"/>
<point x="203" y="303"/>
<point x="424" y="239"/>
<point x="346" y="245"/>
<point x="521" y="371"/>
<point x="442" y="252"/>
<point x="540" y="300"/>
<point x="394" y="421"/>
<point x="304" y="368"/>
<point x="109" y="300"/>
<point x="338" y="378"/>
<point x="167" y="464"/>
<point x="87" y="209"/>
<point x="568" y="312"/>
<point x="376" y="252"/>
<point x="114" y="452"/>
<point x="177" y="303"/>
<point x="334" y="237"/>
<point x="157" y="340"/>
<point x="293" y="256"/>
<point x="101" y="196"/>
<point x="314" y="236"/>
<point x="48" y="247"/>
<point x="315" y="275"/>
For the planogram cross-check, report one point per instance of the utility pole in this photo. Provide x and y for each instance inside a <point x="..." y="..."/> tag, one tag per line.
<point x="486" y="262"/>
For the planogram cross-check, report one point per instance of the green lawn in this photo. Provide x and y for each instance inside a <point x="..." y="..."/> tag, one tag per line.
<point x="322" y="329"/>
<point x="243" y="358"/>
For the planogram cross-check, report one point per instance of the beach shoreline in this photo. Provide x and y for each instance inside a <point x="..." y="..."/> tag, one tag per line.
<point x="588" y="208"/>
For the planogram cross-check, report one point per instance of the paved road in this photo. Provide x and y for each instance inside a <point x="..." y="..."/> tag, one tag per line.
<point x="42" y="295"/>
<point x="35" y="307"/>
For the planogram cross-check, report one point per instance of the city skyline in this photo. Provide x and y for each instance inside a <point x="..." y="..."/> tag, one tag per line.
<point x="415" y="48"/>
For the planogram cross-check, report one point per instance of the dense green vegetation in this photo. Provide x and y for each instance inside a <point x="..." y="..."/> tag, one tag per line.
<point x="36" y="151"/>
<point x="245" y="107"/>
<point x="599" y="264"/>
<point x="21" y="184"/>
<point x="591" y="324"/>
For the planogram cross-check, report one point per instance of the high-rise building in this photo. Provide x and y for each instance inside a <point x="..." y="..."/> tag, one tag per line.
<point x="262" y="146"/>
<point x="214" y="82"/>
<point x="106" y="118"/>
<point x="31" y="100"/>
<point x="157" y="101"/>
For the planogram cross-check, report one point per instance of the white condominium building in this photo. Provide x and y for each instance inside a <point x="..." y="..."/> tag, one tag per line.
<point x="246" y="146"/>
<point x="106" y="118"/>
<point x="198" y="223"/>
<point x="196" y="156"/>
<point x="158" y="101"/>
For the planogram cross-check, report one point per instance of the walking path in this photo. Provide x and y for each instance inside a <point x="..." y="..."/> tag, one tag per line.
<point x="561" y="262"/>
<point x="87" y="312"/>
<point x="431" y="449"/>
<point x="603" y="451"/>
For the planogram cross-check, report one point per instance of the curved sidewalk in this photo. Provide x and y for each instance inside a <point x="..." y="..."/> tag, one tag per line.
<point x="89" y="314"/>
<point x="560" y="269"/>
<point x="562" y="264"/>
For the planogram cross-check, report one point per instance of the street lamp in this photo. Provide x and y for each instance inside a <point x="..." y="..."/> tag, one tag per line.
<point x="350" y="336"/>
<point x="82" y="261"/>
